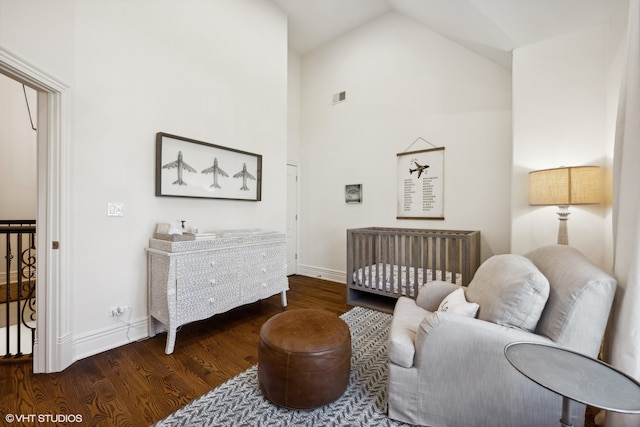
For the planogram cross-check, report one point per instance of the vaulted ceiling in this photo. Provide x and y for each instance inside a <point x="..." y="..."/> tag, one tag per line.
<point x="491" y="28"/>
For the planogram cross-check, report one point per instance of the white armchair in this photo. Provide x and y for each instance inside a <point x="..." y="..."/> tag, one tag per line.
<point x="447" y="369"/>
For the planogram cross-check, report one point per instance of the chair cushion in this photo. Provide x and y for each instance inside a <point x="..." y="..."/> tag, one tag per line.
<point x="510" y="291"/>
<point x="456" y="303"/>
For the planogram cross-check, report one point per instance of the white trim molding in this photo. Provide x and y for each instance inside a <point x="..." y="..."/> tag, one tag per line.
<point x="322" y="273"/>
<point x="99" y="340"/>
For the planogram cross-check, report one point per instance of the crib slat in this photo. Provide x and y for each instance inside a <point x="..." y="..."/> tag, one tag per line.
<point x="454" y="259"/>
<point x="434" y="253"/>
<point x="406" y="261"/>
<point x="443" y="259"/>
<point x="416" y="263"/>
<point x="425" y="259"/>
<point x="384" y="259"/>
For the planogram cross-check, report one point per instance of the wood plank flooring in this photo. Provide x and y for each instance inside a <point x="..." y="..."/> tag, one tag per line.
<point x="138" y="384"/>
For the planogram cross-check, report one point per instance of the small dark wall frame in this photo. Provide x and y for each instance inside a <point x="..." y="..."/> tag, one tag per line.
<point x="189" y="168"/>
<point x="353" y="193"/>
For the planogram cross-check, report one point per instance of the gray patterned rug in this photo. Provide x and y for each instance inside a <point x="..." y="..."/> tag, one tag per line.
<point x="238" y="402"/>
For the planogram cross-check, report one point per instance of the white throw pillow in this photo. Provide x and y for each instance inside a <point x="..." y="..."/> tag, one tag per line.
<point x="456" y="303"/>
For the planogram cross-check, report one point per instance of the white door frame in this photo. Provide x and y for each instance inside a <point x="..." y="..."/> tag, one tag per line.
<point x="293" y="269"/>
<point x="52" y="351"/>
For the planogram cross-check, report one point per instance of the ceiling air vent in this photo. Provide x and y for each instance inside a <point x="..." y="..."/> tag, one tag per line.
<point x="339" y="97"/>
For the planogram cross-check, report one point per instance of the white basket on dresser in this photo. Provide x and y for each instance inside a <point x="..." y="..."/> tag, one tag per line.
<point x="196" y="279"/>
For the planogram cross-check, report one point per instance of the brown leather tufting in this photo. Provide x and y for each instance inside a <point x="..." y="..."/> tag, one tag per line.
<point x="304" y="358"/>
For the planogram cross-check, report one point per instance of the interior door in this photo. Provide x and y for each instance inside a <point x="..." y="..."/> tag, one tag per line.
<point x="292" y="219"/>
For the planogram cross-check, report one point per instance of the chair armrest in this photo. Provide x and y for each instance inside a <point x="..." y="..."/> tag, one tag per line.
<point x="432" y="293"/>
<point x="471" y="338"/>
<point x="405" y="322"/>
<point x="466" y="357"/>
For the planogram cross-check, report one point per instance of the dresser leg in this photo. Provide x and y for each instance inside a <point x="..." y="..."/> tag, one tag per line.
<point x="152" y="327"/>
<point x="171" y="340"/>
<point x="283" y="297"/>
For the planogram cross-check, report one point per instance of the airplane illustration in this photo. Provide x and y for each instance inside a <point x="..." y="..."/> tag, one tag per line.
<point x="182" y="166"/>
<point x="245" y="175"/>
<point x="216" y="171"/>
<point x="418" y="168"/>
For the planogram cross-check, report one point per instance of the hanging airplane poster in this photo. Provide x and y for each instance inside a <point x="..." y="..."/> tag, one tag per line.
<point x="420" y="184"/>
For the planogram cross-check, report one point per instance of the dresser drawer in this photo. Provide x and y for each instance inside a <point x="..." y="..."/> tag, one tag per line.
<point x="268" y="281"/>
<point x="221" y="283"/>
<point x="202" y="271"/>
<point x="208" y="261"/>
<point x="265" y="260"/>
<point x="202" y="307"/>
<point x="261" y="270"/>
<point x="264" y="253"/>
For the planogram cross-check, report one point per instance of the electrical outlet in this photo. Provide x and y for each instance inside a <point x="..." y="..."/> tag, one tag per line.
<point x="118" y="311"/>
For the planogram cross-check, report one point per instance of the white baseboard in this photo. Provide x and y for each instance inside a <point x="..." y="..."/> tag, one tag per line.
<point x="97" y="341"/>
<point x="322" y="273"/>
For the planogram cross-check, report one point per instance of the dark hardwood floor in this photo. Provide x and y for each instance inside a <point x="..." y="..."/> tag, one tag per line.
<point x="138" y="384"/>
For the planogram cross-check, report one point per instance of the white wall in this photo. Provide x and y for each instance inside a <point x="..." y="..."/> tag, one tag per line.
<point x="41" y="32"/>
<point x="402" y="81"/>
<point x="293" y="104"/>
<point x="18" y="169"/>
<point x="211" y="71"/>
<point x="559" y="119"/>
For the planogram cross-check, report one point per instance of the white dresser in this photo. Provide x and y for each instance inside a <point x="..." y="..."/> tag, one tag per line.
<point x="194" y="280"/>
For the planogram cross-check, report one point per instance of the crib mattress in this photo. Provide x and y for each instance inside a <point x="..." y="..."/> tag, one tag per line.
<point x="387" y="276"/>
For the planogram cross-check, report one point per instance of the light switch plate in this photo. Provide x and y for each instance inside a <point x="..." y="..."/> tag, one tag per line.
<point x="115" y="209"/>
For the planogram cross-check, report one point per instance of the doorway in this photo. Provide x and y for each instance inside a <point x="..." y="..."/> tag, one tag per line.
<point x="52" y="350"/>
<point x="18" y="172"/>
<point x="292" y="219"/>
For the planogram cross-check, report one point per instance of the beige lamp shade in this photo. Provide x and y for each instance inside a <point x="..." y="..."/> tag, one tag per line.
<point x="565" y="186"/>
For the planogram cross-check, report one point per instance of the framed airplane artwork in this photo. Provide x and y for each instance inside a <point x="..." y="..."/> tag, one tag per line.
<point x="189" y="168"/>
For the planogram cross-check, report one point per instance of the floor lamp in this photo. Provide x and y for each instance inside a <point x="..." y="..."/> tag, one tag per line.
<point x="564" y="187"/>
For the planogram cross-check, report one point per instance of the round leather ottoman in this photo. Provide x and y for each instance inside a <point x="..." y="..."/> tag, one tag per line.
<point x="304" y="358"/>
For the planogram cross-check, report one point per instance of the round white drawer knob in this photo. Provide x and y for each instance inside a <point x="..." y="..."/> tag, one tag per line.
<point x="212" y="281"/>
<point x="264" y="270"/>
<point x="211" y="301"/>
<point x="264" y="285"/>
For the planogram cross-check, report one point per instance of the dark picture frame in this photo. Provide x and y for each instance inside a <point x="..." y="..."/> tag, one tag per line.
<point x="353" y="193"/>
<point x="186" y="167"/>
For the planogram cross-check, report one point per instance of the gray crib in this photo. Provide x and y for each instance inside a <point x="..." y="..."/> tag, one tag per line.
<point x="386" y="263"/>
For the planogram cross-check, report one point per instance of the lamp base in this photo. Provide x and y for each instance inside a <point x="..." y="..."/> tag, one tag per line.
<point x="563" y="233"/>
